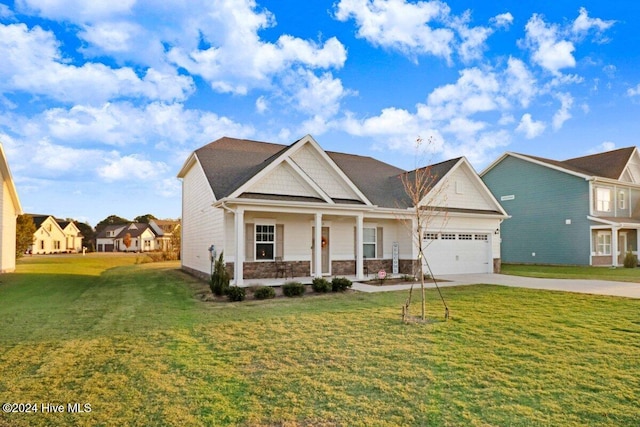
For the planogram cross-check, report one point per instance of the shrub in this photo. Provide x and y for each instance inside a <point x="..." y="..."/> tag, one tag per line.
<point x="264" y="292"/>
<point x="340" y="284"/>
<point x="220" y="278"/>
<point x="630" y="260"/>
<point x="235" y="293"/>
<point x="321" y="285"/>
<point x="293" y="289"/>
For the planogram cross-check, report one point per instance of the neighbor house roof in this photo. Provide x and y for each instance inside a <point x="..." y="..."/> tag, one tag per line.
<point x="610" y="164"/>
<point x="228" y="163"/>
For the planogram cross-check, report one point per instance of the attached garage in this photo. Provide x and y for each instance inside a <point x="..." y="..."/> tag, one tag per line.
<point x="458" y="253"/>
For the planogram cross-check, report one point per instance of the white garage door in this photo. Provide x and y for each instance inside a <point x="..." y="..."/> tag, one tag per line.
<point x="458" y="253"/>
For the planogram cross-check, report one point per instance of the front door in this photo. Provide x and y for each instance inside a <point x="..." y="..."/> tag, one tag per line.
<point x="324" y="247"/>
<point x="622" y="247"/>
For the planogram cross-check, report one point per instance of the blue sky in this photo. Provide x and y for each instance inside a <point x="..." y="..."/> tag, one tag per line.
<point x="101" y="102"/>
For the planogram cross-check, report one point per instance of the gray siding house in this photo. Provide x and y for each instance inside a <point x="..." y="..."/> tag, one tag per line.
<point x="581" y="211"/>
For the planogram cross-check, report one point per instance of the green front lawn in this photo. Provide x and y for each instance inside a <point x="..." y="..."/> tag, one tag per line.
<point x="619" y="274"/>
<point x="133" y="343"/>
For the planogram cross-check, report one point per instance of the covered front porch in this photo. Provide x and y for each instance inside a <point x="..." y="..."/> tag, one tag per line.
<point x="269" y="242"/>
<point x="612" y="239"/>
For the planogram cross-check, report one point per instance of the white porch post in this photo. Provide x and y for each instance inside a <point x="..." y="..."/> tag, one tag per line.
<point x="614" y="246"/>
<point x="317" y="247"/>
<point x="359" y="248"/>
<point x="239" y="260"/>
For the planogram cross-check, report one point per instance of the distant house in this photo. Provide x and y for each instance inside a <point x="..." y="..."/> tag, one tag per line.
<point x="168" y="229"/>
<point x="327" y="213"/>
<point x="142" y="238"/>
<point x="9" y="210"/>
<point x="582" y="211"/>
<point x="72" y="236"/>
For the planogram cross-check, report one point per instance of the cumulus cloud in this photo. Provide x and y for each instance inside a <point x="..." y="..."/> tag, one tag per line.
<point x="33" y="63"/>
<point x="503" y="20"/>
<point x="74" y="10"/>
<point x="563" y="114"/>
<point x="583" y="25"/>
<point x="529" y="127"/>
<point x="605" y="146"/>
<point x="634" y="91"/>
<point x="133" y="166"/>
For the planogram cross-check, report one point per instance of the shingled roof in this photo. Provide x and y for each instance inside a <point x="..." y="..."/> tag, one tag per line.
<point x="228" y="163"/>
<point x="610" y="164"/>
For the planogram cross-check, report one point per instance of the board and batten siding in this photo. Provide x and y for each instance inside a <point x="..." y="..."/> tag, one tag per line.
<point x="202" y="224"/>
<point x="548" y="209"/>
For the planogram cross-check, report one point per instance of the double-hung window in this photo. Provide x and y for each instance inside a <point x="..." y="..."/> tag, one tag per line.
<point x="265" y="242"/>
<point x="603" y="199"/>
<point x="369" y="242"/>
<point x="603" y="243"/>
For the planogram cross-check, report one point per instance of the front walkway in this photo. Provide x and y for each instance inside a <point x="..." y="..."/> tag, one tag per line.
<point x="598" y="287"/>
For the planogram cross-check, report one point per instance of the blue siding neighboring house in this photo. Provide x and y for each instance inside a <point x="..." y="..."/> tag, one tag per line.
<point x="582" y="211"/>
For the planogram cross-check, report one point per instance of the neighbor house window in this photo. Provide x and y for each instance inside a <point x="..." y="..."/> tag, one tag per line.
<point x="369" y="243"/>
<point x="603" y="199"/>
<point x="622" y="201"/>
<point x="265" y="242"/>
<point x="603" y="243"/>
<point x="56" y="244"/>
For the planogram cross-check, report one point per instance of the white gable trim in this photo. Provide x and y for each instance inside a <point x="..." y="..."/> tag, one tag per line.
<point x="534" y="161"/>
<point x="285" y="155"/>
<point x="474" y="176"/>
<point x="626" y="166"/>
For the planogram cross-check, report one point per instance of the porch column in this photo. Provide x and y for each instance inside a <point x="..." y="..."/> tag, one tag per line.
<point x="359" y="248"/>
<point x="614" y="246"/>
<point x="317" y="247"/>
<point x="239" y="260"/>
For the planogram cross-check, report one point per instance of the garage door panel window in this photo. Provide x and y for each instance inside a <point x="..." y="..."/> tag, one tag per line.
<point x="448" y="236"/>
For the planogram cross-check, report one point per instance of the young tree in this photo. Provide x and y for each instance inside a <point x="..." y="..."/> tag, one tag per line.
<point x="25" y="228"/>
<point x="426" y="198"/>
<point x="127" y="240"/>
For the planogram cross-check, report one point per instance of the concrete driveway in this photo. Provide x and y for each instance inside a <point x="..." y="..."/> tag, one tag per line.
<point x="598" y="287"/>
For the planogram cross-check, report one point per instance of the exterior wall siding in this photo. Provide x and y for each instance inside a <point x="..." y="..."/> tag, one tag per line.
<point x="201" y="223"/>
<point x="8" y="231"/>
<point x="541" y="201"/>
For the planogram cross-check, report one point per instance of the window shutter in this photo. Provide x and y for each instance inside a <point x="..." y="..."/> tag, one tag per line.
<point x="280" y="240"/>
<point x="379" y="244"/>
<point x="249" y="235"/>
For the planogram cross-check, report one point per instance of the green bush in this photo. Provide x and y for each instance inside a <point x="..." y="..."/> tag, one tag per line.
<point x="235" y="293"/>
<point x="321" y="285"/>
<point x="293" y="289"/>
<point x="630" y="260"/>
<point x="340" y="284"/>
<point x="264" y="292"/>
<point x="220" y="278"/>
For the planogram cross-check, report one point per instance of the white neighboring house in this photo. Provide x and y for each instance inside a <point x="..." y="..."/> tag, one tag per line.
<point x="143" y="238"/>
<point x="9" y="211"/>
<point x="259" y="201"/>
<point x="54" y="236"/>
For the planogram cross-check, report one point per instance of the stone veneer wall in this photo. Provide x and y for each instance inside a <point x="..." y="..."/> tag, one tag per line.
<point x="348" y="268"/>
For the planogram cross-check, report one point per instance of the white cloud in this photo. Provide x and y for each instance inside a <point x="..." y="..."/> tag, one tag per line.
<point x="548" y="49"/>
<point x="583" y="24"/>
<point x="34" y="64"/>
<point x="563" y="114"/>
<point x="520" y="84"/>
<point x="74" y="10"/>
<point x="473" y="38"/>
<point x="262" y="105"/>
<point x="529" y="127"/>
<point x="400" y="25"/>
<point x="237" y="60"/>
<point x="5" y="12"/>
<point x="130" y="167"/>
<point x="503" y="20"/>
<point x="634" y="91"/>
<point x="111" y="37"/>
<point x="605" y="146"/>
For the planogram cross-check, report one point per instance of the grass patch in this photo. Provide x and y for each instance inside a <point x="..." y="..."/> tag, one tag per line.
<point x="618" y="274"/>
<point x="134" y="343"/>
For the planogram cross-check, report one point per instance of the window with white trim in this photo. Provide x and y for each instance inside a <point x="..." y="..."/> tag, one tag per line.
<point x="603" y="199"/>
<point x="603" y="243"/>
<point x="369" y="242"/>
<point x="265" y="242"/>
<point x="622" y="200"/>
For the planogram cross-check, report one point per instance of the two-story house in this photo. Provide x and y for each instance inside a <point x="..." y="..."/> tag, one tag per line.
<point x="580" y="211"/>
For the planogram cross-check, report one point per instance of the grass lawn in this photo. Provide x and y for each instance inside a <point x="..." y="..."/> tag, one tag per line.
<point x="130" y="340"/>
<point x="619" y="274"/>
